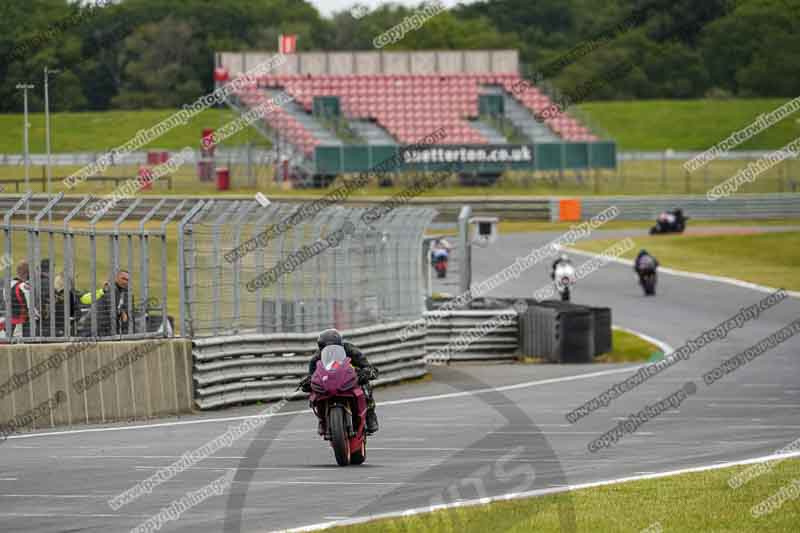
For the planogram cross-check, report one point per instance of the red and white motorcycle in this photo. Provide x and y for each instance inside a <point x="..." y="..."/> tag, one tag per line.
<point x="564" y="279"/>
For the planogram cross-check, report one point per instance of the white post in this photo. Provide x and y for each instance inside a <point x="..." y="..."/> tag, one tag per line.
<point x="26" y="148"/>
<point x="47" y="121"/>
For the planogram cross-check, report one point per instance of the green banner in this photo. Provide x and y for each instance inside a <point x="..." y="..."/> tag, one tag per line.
<point x="483" y="158"/>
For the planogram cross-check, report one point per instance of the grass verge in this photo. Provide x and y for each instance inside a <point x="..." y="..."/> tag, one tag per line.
<point x="97" y="131"/>
<point x="771" y="259"/>
<point x="692" y="502"/>
<point x="627" y="348"/>
<point x="526" y="226"/>
<point x="636" y="125"/>
<point x="689" y="124"/>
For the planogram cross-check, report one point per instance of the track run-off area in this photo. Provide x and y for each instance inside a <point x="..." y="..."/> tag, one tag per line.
<point x="472" y="431"/>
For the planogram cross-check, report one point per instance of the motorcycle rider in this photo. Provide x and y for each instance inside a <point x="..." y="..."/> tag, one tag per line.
<point x="365" y="371"/>
<point x="440" y="249"/>
<point x="644" y="263"/>
<point x="563" y="259"/>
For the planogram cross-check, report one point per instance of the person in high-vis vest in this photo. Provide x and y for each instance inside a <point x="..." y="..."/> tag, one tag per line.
<point x="105" y="306"/>
<point x="22" y="308"/>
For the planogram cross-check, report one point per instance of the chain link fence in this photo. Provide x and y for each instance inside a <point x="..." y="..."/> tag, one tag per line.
<point x="318" y="276"/>
<point x="67" y="274"/>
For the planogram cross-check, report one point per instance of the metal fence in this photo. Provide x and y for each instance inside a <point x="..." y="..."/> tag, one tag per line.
<point x="242" y="368"/>
<point x="65" y="271"/>
<point x="737" y="206"/>
<point x="373" y="275"/>
<point x="445" y="328"/>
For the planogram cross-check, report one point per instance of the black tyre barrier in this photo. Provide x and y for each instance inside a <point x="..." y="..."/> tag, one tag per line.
<point x="563" y="332"/>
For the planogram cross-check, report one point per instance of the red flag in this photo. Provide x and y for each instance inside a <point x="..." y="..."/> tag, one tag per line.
<point x="287" y="44"/>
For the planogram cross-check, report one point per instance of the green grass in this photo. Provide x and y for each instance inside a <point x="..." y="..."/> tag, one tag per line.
<point x="527" y="226"/>
<point x="640" y="125"/>
<point x="636" y="125"/>
<point x="631" y="178"/>
<point x="626" y="348"/>
<point x="102" y="130"/>
<point x="694" y="502"/>
<point x="771" y="259"/>
<point x="689" y="124"/>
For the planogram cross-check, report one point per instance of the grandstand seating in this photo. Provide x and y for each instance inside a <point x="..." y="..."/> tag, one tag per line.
<point x="409" y="107"/>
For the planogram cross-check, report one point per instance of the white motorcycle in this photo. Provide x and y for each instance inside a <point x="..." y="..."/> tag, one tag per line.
<point x="564" y="279"/>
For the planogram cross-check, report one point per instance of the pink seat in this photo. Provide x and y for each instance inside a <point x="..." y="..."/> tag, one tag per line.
<point x="408" y="106"/>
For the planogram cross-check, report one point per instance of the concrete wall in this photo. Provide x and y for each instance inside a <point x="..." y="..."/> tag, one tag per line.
<point x="423" y="62"/>
<point x="478" y="61"/>
<point x="313" y="63"/>
<point x="365" y="63"/>
<point x="395" y="62"/>
<point x="341" y="62"/>
<point x="451" y="62"/>
<point x="158" y="382"/>
<point x="379" y="62"/>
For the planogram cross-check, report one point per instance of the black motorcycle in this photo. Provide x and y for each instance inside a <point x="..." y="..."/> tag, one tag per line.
<point x="673" y="221"/>
<point x="647" y="279"/>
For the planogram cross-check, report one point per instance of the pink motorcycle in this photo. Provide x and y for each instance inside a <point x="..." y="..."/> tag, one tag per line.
<point x="339" y="402"/>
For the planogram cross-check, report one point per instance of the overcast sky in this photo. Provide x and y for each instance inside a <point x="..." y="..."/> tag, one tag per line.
<point x="327" y="7"/>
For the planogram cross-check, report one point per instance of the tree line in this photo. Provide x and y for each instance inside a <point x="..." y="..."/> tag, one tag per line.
<point x="132" y="54"/>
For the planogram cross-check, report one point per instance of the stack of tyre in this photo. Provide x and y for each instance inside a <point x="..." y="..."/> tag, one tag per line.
<point x="564" y="332"/>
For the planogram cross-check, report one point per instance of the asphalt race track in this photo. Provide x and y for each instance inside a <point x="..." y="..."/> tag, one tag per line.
<point x="468" y="443"/>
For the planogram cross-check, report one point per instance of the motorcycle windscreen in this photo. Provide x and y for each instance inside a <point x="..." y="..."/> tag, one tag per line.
<point x="333" y="357"/>
<point x="564" y="271"/>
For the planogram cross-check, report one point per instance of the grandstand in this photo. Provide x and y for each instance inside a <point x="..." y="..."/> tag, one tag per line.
<point x="389" y="99"/>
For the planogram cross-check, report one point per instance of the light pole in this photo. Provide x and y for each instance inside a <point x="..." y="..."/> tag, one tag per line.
<point x="47" y="121"/>
<point x="27" y="125"/>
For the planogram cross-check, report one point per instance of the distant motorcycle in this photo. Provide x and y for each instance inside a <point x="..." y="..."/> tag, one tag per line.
<point x="440" y="265"/>
<point x="340" y="405"/>
<point x="564" y="279"/>
<point x="648" y="282"/>
<point x="672" y="221"/>
<point x="439" y="256"/>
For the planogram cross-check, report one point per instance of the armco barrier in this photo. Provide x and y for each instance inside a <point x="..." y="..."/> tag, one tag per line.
<point x="737" y="206"/>
<point x="445" y="327"/>
<point x="156" y="383"/>
<point x="251" y="367"/>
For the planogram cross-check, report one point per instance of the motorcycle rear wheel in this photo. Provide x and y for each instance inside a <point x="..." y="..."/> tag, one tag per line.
<point x="339" y="441"/>
<point x="649" y="285"/>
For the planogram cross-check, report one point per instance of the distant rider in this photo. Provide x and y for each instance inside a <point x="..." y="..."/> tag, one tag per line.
<point x="440" y="250"/>
<point x="366" y="372"/>
<point x="562" y="260"/>
<point x="645" y="263"/>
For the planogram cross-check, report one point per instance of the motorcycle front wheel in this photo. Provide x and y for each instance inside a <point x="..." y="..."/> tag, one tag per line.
<point x="360" y="455"/>
<point x="339" y="441"/>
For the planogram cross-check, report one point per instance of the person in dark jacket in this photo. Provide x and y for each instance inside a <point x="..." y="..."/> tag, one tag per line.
<point x="365" y="371"/>
<point x="106" y="309"/>
<point x="645" y="263"/>
<point x="44" y="297"/>
<point x="65" y="328"/>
